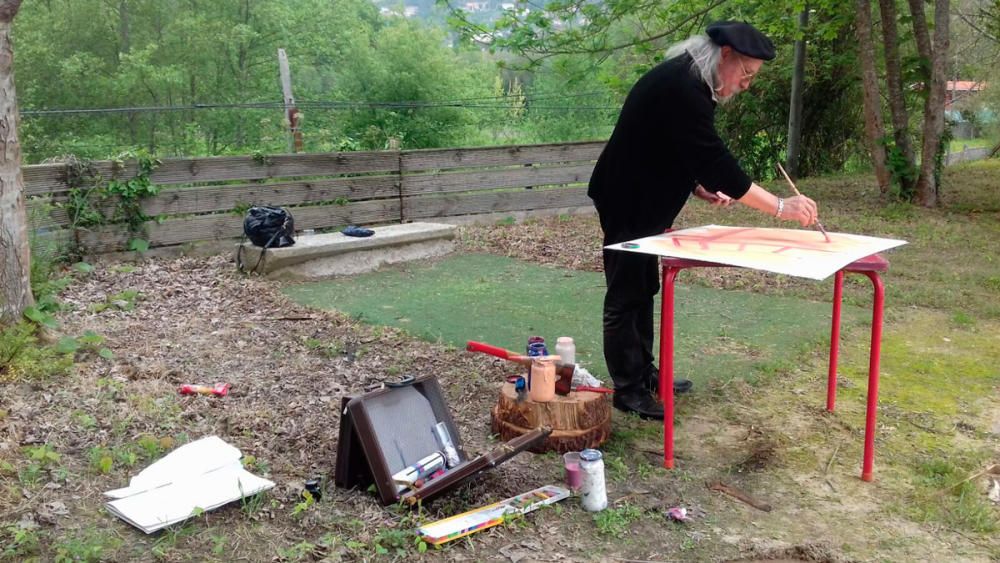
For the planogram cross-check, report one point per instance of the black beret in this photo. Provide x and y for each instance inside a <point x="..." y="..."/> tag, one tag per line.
<point x="743" y="38"/>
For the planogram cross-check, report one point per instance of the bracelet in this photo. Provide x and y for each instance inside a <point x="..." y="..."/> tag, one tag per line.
<point x="781" y="207"/>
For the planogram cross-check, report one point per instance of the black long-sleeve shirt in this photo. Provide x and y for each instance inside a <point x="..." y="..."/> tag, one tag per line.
<point x="663" y="145"/>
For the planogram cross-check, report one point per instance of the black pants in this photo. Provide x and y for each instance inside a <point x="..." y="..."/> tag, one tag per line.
<point x="633" y="281"/>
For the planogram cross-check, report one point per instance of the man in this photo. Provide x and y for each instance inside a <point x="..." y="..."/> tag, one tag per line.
<point x="663" y="149"/>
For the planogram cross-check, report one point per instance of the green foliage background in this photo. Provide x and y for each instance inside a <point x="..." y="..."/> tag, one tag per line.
<point x="347" y="61"/>
<point x="362" y="78"/>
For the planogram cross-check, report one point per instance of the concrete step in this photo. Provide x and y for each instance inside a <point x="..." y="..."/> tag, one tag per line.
<point x="327" y="255"/>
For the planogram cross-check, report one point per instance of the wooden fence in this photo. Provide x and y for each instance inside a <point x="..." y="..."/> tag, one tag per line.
<point x="203" y="199"/>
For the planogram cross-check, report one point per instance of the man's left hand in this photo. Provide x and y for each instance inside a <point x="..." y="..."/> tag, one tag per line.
<point x="718" y="199"/>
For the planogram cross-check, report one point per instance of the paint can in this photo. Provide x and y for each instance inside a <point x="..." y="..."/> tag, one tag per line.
<point x="536" y="343"/>
<point x="314" y="489"/>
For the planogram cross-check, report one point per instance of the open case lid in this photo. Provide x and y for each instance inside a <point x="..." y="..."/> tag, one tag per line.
<point x="393" y="429"/>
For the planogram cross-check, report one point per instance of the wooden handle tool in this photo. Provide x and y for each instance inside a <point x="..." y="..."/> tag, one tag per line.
<point x="794" y="189"/>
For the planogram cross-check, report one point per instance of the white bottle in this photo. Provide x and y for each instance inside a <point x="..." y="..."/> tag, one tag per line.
<point x="566" y="350"/>
<point x="593" y="491"/>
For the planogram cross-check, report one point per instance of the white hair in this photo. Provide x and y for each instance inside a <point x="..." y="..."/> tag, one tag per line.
<point x="705" y="56"/>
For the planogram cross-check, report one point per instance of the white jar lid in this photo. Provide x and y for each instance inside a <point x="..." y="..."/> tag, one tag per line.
<point x="564" y="340"/>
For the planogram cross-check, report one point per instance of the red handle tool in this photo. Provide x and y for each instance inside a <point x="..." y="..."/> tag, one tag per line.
<point x="564" y="371"/>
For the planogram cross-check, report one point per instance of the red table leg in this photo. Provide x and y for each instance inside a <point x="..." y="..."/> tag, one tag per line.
<point x="667" y="363"/>
<point x="831" y="381"/>
<point x="870" y="266"/>
<point x="873" y="367"/>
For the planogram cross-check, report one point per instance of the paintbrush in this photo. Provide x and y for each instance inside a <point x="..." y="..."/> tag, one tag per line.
<point x="796" y="190"/>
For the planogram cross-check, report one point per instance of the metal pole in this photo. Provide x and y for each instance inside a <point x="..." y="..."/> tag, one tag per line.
<point x="291" y="112"/>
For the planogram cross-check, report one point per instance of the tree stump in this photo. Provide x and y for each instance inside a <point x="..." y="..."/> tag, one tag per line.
<point x="578" y="420"/>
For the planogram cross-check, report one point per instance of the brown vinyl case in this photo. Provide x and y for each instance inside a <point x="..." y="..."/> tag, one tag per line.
<point x="388" y="429"/>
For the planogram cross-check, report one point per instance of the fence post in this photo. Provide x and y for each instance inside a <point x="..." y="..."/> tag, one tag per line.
<point x="394" y="145"/>
<point x="291" y="112"/>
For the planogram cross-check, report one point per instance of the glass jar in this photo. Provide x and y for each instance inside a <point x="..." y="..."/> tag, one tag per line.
<point x="566" y="349"/>
<point x="593" y="491"/>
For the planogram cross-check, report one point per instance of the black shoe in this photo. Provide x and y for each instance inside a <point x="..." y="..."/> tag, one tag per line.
<point x="642" y="404"/>
<point x="653" y="383"/>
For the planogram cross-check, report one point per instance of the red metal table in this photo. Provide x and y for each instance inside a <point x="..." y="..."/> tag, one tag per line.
<point x="869" y="266"/>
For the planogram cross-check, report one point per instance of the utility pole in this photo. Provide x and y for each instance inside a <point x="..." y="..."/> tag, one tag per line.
<point x="291" y="112"/>
<point x="795" y="107"/>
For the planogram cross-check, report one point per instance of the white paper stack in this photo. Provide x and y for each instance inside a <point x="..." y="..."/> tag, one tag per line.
<point x="204" y="474"/>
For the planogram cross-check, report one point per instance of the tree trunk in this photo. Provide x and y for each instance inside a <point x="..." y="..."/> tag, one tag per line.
<point x="936" y="55"/>
<point x="874" y="126"/>
<point x="15" y="251"/>
<point x="124" y="37"/>
<point x="920" y="33"/>
<point x="795" y="107"/>
<point x="897" y="104"/>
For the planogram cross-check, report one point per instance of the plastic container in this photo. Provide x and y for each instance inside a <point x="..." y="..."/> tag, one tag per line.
<point x="542" y="384"/>
<point x="574" y="477"/>
<point x="593" y="491"/>
<point x="566" y="349"/>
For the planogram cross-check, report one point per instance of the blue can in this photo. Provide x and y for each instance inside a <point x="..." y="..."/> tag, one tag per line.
<point x="533" y="340"/>
<point x="537" y="349"/>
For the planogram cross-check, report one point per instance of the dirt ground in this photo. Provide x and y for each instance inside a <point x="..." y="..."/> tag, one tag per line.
<point x="195" y="320"/>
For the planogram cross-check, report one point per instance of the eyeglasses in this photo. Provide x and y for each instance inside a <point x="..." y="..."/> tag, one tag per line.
<point x="747" y="76"/>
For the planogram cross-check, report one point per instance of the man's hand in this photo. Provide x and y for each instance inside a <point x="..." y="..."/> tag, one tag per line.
<point x="717" y="199"/>
<point x="799" y="208"/>
<point x="796" y="208"/>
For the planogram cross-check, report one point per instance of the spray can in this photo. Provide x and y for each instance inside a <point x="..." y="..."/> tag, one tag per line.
<point x="593" y="491"/>
<point x="447" y="445"/>
<point x="420" y="470"/>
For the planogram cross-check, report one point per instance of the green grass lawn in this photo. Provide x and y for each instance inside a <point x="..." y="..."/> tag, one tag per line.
<point x="501" y="301"/>
<point x="956" y="145"/>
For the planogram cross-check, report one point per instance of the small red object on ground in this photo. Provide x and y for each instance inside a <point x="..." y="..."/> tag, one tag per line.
<point x="219" y="389"/>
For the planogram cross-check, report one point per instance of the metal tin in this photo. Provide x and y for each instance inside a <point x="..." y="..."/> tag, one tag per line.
<point x="593" y="491"/>
<point x="313" y="487"/>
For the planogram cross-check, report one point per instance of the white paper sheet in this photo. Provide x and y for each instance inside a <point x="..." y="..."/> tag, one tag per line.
<point x="204" y="474"/>
<point x="795" y="252"/>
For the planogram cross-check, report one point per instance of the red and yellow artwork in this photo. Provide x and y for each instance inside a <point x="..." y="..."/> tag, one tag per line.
<point x="795" y="252"/>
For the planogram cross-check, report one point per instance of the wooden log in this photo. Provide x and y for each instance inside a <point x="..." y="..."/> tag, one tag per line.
<point x="578" y="420"/>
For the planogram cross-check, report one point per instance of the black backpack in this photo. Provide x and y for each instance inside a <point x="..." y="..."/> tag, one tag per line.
<point x="266" y="227"/>
<point x="269" y="227"/>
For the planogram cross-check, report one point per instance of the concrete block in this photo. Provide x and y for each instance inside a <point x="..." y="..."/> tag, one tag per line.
<point x="327" y="255"/>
